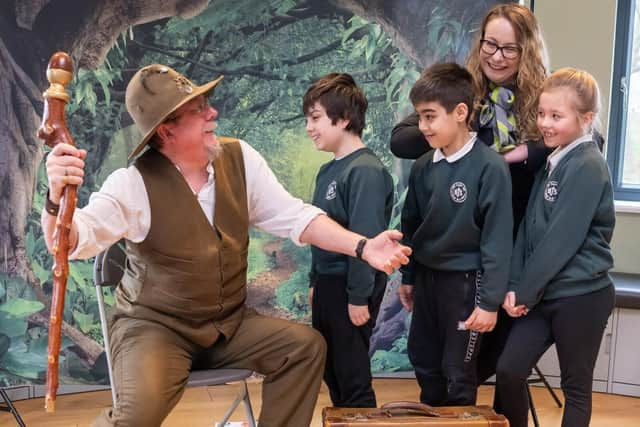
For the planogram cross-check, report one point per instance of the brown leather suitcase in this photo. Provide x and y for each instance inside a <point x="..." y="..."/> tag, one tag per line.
<point x="414" y="414"/>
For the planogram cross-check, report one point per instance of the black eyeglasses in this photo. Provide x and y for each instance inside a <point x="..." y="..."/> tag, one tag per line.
<point x="508" y="51"/>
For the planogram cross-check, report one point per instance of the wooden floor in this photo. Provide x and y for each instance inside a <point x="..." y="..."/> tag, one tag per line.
<point x="202" y="406"/>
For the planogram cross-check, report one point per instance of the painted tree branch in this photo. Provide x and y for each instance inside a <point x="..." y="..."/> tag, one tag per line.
<point x="89" y="33"/>
<point x="407" y="21"/>
<point x="87" y="349"/>
<point x="198" y="53"/>
<point x="251" y="70"/>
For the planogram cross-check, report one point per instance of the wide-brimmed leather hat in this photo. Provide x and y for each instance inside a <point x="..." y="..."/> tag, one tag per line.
<point x="155" y="92"/>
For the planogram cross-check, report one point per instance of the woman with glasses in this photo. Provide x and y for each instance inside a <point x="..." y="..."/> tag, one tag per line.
<point x="508" y="62"/>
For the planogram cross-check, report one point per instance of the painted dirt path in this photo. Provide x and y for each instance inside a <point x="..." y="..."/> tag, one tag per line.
<point x="261" y="291"/>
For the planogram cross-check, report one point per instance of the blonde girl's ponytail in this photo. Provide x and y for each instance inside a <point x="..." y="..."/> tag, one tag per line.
<point x="585" y="89"/>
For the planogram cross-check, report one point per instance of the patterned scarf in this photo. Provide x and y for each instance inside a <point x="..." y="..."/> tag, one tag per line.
<point x="497" y="113"/>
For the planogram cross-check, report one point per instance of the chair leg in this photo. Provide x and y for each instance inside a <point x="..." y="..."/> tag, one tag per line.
<point x="10" y="407"/>
<point x="232" y="408"/>
<point x="247" y="405"/>
<point x="243" y="396"/>
<point x="107" y="344"/>
<point x="548" y="386"/>
<point x="532" y="408"/>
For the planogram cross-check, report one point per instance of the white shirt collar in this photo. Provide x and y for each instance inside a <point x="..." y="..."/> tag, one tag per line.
<point x="559" y="153"/>
<point x="439" y="155"/>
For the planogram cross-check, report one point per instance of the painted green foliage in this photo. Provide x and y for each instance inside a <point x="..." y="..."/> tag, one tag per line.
<point x="269" y="52"/>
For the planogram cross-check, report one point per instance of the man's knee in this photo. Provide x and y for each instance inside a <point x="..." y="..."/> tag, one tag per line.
<point x="309" y="343"/>
<point x="314" y="341"/>
<point x="145" y="397"/>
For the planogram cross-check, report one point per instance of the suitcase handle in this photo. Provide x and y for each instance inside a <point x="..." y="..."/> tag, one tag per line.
<point x="421" y="408"/>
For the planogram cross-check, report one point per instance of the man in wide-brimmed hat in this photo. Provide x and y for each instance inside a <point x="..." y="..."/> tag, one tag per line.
<point x="184" y="208"/>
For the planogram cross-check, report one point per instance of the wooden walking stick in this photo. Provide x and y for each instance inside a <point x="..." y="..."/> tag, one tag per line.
<point x="53" y="131"/>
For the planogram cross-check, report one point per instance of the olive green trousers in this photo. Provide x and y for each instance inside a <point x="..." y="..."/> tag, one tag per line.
<point x="152" y="363"/>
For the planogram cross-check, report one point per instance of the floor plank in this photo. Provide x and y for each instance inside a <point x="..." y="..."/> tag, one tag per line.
<point x="201" y="406"/>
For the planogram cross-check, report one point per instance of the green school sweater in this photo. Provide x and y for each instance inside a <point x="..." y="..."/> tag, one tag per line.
<point x="458" y="217"/>
<point x="562" y="248"/>
<point x="356" y="192"/>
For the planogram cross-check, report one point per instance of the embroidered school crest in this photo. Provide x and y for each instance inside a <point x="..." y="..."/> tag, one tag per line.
<point x="458" y="192"/>
<point x="331" y="191"/>
<point x="551" y="191"/>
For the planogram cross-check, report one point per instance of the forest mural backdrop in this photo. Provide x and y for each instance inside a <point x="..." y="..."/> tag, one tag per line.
<point x="269" y="51"/>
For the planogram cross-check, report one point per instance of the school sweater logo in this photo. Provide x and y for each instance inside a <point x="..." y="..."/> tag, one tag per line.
<point x="331" y="191"/>
<point x="551" y="191"/>
<point x="458" y="192"/>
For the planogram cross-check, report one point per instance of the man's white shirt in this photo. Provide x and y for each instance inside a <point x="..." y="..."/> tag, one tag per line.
<point x="121" y="207"/>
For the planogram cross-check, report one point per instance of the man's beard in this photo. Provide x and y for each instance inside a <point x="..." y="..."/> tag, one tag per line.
<point x="214" y="151"/>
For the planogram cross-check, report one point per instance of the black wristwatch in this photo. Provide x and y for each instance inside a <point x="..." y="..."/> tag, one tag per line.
<point x="360" y="248"/>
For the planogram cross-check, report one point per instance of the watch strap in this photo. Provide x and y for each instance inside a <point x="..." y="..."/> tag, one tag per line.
<point x="50" y="207"/>
<point x="360" y="248"/>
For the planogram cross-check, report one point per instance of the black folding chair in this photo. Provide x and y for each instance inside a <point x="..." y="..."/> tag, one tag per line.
<point x="536" y="379"/>
<point x="9" y="407"/>
<point x="108" y="270"/>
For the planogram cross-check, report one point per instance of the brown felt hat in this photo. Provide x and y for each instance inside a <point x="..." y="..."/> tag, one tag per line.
<point x="155" y="92"/>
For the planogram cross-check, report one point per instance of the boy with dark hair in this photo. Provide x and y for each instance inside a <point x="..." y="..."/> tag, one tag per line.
<point x="457" y="217"/>
<point x="356" y="191"/>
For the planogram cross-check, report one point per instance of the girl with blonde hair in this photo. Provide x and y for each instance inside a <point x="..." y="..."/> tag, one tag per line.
<point x="563" y="287"/>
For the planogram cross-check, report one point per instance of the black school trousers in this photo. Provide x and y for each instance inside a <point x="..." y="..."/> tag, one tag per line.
<point x="348" y="369"/>
<point x="576" y="325"/>
<point x="444" y="356"/>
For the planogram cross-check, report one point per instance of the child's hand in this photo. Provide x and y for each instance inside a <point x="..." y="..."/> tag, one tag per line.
<point x="509" y="303"/>
<point x="405" y="293"/>
<point x="518" y="310"/>
<point x="517" y="155"/>
<point x="481" y="320"/>
<point x="510" y="306"/>
<point x="358" y="314"/>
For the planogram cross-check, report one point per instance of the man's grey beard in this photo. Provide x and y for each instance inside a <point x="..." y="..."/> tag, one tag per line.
<point x="214" y="151"/>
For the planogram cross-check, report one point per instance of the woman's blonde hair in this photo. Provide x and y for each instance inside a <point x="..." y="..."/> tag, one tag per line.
<point x="532" y="69"/>
<point x="586" y="94"/>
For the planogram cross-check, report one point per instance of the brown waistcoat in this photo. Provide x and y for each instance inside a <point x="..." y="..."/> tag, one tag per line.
<point x="186" y="274"/>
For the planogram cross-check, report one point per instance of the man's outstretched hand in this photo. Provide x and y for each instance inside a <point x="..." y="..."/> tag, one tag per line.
<point x="385" y="253"/>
